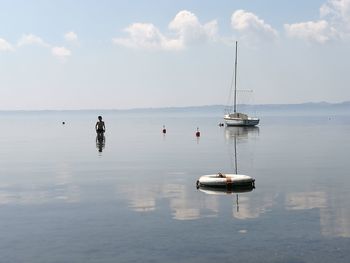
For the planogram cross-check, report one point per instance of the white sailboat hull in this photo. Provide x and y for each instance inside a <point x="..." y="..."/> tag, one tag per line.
<point x="249" y="121"/>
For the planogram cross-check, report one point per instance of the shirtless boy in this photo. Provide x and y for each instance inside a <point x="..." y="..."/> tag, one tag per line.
<point x="100" y="125"/>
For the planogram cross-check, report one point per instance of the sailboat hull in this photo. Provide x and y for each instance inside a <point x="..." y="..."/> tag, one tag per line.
<point x="241" y="122"/>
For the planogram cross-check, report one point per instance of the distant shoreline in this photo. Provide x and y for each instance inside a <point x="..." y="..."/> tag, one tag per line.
<point x="213" y="108"/>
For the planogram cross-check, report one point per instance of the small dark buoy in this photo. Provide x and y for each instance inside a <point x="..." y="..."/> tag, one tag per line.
<point x="221" y="124"/>
<point x="63" y="123"/>
<point x="164" y="130"/>
<point x="198" y="133"/>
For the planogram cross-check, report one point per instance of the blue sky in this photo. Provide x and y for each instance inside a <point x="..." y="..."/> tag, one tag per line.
<point x="134" y="54"/>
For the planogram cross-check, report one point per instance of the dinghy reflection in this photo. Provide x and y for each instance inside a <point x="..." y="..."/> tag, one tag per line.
<point x="225" y="190"/>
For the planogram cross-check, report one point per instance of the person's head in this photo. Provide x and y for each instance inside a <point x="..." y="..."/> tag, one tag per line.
<point x="99" y="118"/>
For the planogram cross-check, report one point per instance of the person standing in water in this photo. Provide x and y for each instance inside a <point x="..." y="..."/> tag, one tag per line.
<point x="100" y="125"/>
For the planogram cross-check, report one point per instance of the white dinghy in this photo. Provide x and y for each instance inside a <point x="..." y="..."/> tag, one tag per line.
<point x="225" y="180"/>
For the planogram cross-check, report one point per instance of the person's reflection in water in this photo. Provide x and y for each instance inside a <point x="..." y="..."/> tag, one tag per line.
<point x="100" y="141"/>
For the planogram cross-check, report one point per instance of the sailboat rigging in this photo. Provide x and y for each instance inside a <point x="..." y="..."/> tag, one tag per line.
<point x="238" y="118"/>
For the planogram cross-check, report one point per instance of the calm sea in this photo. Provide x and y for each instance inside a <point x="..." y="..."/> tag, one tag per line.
<point x="68" y="196"/>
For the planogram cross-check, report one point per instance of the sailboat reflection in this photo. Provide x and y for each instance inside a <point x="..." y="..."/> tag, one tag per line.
<point x="100" y="141"/>
<point x="240" y="132"/>
<point x="229" y="183"/>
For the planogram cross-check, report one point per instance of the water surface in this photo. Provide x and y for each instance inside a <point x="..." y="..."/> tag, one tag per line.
<point x="67" y="196"/>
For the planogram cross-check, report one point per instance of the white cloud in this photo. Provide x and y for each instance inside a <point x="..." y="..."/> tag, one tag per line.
<point x="336" y="9"/>
<point x="32" y="40"/>
<point x="186" y="27"/>
<point x="189" y="30"/>
<point x="60" y="52"/>
<point x="251" y="27"/>
<point x="5" y="46"/>
<point x="71" y="36"/>
<point x="57" y="51"/>
<point x="319" y="31"/>
<point x="337" y="12"/>
<point x="145" y="36"/>
<point x="334" y="23"/>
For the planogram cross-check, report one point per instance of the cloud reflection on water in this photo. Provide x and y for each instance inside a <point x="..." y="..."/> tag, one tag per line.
<point x="57" y="188"/>
<point x="334" y="218"/>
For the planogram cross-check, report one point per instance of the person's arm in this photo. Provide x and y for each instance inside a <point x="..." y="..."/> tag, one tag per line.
<point x="96" y="126"/>
<point x="104" y="127"/>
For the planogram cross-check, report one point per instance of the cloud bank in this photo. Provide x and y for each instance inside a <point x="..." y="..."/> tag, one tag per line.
<point x="186" y="30"/>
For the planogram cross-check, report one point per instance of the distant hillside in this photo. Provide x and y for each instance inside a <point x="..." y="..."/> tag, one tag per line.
<point x="314" y="108"/>
<point x="310" y="107"/>
<point x="306" y="106"/>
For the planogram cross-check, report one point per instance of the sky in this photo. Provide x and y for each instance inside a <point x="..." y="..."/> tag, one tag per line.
<point x="100" y="54"/>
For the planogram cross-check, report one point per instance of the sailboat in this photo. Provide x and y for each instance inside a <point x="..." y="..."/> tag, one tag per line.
<point x="237" y="118"/>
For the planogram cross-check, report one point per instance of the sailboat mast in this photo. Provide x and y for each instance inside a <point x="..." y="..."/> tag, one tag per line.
<point x="235" y="92"/>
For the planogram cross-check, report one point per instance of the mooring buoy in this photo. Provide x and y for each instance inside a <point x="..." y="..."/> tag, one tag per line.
<point x="198" y="133"/>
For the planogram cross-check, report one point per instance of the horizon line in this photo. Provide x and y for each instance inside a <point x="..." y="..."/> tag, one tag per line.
<point x="178" y="107"/>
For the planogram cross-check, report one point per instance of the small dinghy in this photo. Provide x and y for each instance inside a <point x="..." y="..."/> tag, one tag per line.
<point x="225" y="180"/>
